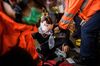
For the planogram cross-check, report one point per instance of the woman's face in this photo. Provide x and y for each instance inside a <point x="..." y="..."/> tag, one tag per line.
<point x="46" y="27"/>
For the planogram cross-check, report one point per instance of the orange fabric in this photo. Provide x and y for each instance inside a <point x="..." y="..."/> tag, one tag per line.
<point x="62" y="25"/>
<point x="66" y="18"/>
<point x="11" y="31"/>
<point x="73" y="7"/>
<point x="91" y="7"/>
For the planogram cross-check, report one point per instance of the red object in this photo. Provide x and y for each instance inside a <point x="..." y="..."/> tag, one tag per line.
<point x="50" y="63"/>
<point x="65" y="64"/>
<point x="12" y="0"/>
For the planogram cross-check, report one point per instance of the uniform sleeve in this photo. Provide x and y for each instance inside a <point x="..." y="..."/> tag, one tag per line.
<point x="72" y="7"/>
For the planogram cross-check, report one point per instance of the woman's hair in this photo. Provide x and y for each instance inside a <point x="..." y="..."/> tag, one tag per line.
<point x="37" y="3"/>
<point x="47" y="19"/>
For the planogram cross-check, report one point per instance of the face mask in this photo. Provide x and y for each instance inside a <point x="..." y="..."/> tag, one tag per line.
<point x="33" y="18"/>
<point x="44" y="28"/>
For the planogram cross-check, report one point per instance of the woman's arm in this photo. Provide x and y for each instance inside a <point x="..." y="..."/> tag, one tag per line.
<point x="9" y="11"/>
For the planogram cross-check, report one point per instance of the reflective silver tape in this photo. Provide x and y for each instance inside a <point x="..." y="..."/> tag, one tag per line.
<point x="82" y="22"/>
<point x="84" y="4"/>
<point x="68" y="14"/>
<point x="65" y="21"/>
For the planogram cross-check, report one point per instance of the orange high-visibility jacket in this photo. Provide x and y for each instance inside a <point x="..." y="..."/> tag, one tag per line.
<point x="85" y="9"/>
<point x="11" y="32"/>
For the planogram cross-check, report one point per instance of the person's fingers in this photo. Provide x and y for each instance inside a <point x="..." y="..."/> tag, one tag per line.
<point x="63" y="47"/>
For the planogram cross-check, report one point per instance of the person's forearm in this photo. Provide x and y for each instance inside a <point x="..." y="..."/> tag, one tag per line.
<point x="9" y="11"/>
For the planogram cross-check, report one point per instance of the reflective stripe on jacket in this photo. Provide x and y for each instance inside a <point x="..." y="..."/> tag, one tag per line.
<point x="85" y="8"/>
